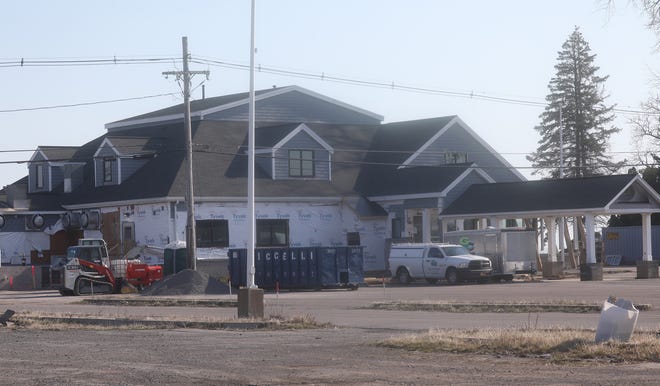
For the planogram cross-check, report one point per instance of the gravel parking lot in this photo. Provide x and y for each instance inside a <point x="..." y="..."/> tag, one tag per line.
<point x="340" y="355"/>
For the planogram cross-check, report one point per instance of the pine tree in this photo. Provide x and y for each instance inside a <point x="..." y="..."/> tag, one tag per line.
<point x="586" y="119"/>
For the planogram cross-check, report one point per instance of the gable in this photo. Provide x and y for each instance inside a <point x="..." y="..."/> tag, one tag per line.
<point x="296" y="106"/>
<point x="556" y="197"/>
<point x="456" y="138"/>
<point x="285" y="104"/>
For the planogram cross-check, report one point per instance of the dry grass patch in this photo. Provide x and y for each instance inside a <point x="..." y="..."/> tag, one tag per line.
<point x="61" y="321"/>
<point x="508" y="307"/>
<point x="559" y="345"/>
<point x="297" y="322"/>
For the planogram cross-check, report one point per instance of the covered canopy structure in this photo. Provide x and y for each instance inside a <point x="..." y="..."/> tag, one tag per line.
<point x="571" y="197"/>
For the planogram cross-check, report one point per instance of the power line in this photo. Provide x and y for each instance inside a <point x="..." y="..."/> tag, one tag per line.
<point x="86" y="103"/>
<point x="22" y="62"/>
<point x="322" y="76"/>
<point x="394" y="86"/>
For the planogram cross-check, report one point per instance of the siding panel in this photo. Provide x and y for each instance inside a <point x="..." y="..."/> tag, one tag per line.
<point x="302" y="141"/>
<point x="456" y="139"/>
<point x="295" y="107"/>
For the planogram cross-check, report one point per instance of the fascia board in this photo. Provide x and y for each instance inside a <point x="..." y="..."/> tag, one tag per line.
<point x="529" y="214"/>
<point x="473" y="134"/>
<point x="34" y="155"/>
<point x="146" y="121"/>
<point x="428" y="143"/>
<point x="303" y="127"/>
<point x="107" y="142"/>
<point x="396" y="197"/>
<point x="463" y="175"/>
<point x="336" y="102"/>
<point x="219" y="199"/>
<point x="636" y="180"/>
<point x="490" y="148"/>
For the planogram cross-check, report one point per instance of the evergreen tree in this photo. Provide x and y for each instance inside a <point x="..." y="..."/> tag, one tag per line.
<point x="586" y="119"/>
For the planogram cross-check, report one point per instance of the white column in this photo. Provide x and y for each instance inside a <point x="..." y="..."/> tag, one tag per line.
<point x="562" y="244"/>
<point x="426" y="225"/>
<point x="590" y="228"/>
<point x="495" y="222"/>
<point x="460" y="224"/>
<point x="552" y="238"/>
<point x="483" y="223"/>
<point x="647" y="245"/>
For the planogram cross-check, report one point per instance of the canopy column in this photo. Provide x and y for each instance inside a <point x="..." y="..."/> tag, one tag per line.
<point x="591" y="270"/>
<point x="647" y="268"/>
<point x="552" y="267"/>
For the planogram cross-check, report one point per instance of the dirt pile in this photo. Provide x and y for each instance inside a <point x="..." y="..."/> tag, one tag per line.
<point x="187" y="282"/>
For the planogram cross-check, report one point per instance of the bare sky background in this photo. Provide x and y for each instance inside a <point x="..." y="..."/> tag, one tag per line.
<point x="505" y="49"/>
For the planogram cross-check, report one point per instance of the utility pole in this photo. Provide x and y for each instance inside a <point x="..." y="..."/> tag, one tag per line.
<point x="185" y="76"/>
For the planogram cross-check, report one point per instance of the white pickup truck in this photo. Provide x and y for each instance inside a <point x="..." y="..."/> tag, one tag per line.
<point x="433" y="262"/>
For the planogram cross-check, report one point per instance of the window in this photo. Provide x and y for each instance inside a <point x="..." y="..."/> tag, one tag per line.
<point x="40" y="176"/>
<point x="455" y="157"/>
<point x="435" y="252"/>
<point x="212" y="233"/>
<point x="273" y="233"/>
<point x="107" y="169"/>
<point x="353" y="238"/>
<point x="301" y="163"/>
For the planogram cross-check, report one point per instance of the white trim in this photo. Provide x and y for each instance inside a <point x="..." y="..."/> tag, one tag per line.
<point x="142" y="121"/>
<point x="119" y="181"/>
<point x="106" y="141"/>
<point x="459" y="121"/>
<point x="639" y="180"/>
<point x="405" y="196"/>
<point x="464" y="175"/>
<point x="218" y="199"/>
<point x="264" y="95"/>
<point x="303" y="128"/>
<point x="38" y="151"/>
<point x="553" y="212"/>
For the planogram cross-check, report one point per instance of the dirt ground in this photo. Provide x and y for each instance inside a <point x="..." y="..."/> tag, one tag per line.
<point x="342" y="355"/>
<point x="319" y="356"/>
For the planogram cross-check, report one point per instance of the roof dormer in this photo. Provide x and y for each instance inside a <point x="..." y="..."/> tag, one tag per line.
<point x="293" y="152"/>
<point x="117" y="158"/>
<point x="46" y="168"/>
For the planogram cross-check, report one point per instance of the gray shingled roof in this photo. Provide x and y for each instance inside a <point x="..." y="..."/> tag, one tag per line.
<point x="220" y="166"/>
<point x="539" y="196"/>
<point x="197" y="105"/>
<point x="58" y="153"/>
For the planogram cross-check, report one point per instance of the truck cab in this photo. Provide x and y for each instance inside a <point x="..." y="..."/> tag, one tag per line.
<point x="433" y="262"/>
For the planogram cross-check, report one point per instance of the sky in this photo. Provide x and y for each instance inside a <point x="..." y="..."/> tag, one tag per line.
<point x="502" y="49"/>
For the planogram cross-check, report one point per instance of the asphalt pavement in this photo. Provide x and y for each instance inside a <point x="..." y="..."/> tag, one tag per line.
<point x="351" y="308"/>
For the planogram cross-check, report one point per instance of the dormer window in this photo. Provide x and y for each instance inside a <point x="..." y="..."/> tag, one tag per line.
<point x="107" y="169"/>
<point x="301" y="163"/>
<point x="39" y="176"/>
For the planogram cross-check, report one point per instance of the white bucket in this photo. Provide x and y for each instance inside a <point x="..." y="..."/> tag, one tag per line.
<point x="617" y="321"/>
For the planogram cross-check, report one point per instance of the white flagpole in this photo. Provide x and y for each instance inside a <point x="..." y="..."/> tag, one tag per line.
<point x="250" y="203"/>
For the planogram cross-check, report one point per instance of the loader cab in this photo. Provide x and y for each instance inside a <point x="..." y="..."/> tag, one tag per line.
<point x="96" y="254"/>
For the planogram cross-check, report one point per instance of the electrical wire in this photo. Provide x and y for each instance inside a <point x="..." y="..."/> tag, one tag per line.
<point x="87" y="103"/>
<point x="322" y="76"/>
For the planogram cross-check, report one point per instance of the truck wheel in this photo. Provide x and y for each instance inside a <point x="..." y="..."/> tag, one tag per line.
<point x="452" y="276"/>
<point x="403" y="276"/>
<point x="66" y="292"/>
<point x="76" y="287"/>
